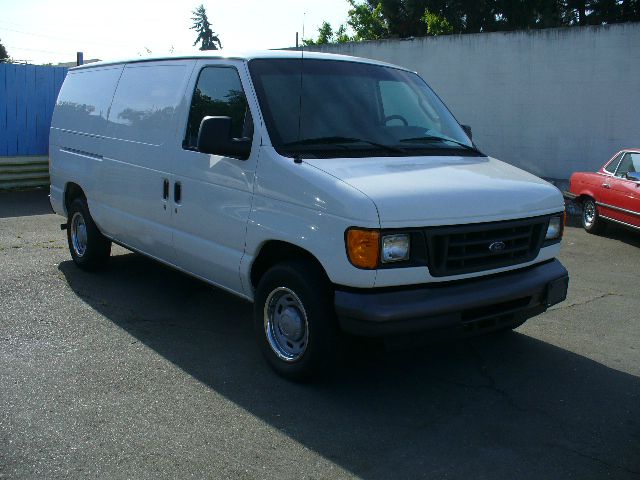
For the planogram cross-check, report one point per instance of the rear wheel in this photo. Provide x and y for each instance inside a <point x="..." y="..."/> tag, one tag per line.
<point x="591" y="220"/>
<point x="88" y="247"/>
<point x="295" y="322"/>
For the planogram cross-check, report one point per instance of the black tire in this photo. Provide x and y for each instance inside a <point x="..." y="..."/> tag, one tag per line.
<point x="92" y="252"/>
<point x="591" y="220"/>
<point x="297" y="282"/>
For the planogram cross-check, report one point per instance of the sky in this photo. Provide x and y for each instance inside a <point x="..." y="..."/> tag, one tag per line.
<point x="42" y="31"/>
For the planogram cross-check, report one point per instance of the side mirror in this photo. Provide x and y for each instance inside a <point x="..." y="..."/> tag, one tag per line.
<point x="214" y="137"/>
<point x="635" y="176"/>
<point x="467" y="130"/>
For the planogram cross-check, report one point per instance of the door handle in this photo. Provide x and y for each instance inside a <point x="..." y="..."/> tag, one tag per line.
<point x="606" y="185"/>
<point x="165" y="189"/>
<point x="177" y="192"/>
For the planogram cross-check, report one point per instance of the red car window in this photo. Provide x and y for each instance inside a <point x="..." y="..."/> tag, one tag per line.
<point x="611" y="166"/>
<point x="630" y="163"/>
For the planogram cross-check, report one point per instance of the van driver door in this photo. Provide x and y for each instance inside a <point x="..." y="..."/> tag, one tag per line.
<point x="211" y="193"/>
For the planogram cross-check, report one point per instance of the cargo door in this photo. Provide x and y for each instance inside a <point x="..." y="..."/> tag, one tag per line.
<point x="136" y="178"/>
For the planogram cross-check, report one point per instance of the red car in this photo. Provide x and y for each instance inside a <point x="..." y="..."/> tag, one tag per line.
<point x="610" y="194"/>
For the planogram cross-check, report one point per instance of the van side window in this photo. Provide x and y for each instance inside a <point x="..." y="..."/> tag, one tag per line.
<point x="84" y="99"/>
<point x="218" y="93"/>
<point x="145" y="101"/>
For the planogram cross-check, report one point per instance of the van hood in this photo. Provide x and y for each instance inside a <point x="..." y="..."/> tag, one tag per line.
<point x="424" y="191"/>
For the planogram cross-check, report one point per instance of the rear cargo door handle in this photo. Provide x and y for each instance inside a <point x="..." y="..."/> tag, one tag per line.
<point x="177" y="192"/>
<point x="165" y="189"/>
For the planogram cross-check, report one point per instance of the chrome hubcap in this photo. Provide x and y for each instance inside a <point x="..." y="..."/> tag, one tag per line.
<point x="285" y="324"/>
<point x="589" y="214"/>
<point x="78" y="234"/>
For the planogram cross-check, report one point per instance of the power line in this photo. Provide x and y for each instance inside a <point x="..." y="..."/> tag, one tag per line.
<point x="64" y="39"/>
<point x="37" y="50"/>
<point x="24" y="26"/>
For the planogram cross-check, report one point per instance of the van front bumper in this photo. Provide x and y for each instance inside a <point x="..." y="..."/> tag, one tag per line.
<point x="458" y="308"/>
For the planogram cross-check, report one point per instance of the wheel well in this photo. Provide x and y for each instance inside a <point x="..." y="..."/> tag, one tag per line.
<point x="71" y="192"/>
<point x="584" y="197"/>
<point x="274" y="252"/>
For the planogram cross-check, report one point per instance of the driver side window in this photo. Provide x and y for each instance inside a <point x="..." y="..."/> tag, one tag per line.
<point x="630" y="163"/>
<point x="218" y="93"/>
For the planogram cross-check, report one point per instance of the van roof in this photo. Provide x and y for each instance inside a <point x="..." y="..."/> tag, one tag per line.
<point x="240" y="55"/>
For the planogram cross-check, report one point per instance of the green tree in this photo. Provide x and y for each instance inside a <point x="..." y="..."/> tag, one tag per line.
<point x="341" y="35"/>
<point x="208" y="39"/>
<point x="436" y="25"/>
<point x="4" y="56"/>
<point x="373" y="19"/>
<point x="327" y="35"/>
<point x="367" y="21"/>
<point x="378" y="19"/>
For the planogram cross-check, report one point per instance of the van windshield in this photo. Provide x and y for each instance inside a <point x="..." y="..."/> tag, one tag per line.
<point x="335" y="108"/>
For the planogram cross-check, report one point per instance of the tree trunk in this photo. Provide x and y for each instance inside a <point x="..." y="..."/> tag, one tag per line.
<point x="582" y="12"/>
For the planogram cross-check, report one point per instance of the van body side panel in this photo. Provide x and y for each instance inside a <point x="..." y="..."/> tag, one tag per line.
<point x="210" y="221"/>
<point x="77" y="131"/>
<point x="301" y="205"/>
<point x="136" y="161"/>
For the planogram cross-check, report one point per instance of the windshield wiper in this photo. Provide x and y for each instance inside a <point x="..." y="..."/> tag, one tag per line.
<point x="427" y="138"/>
<point x="342" y="140"/>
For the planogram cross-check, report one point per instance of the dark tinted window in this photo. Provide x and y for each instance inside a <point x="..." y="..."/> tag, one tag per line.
<point x="85" y="98"/>
<point x="145" y="102"/>
<point x="218" y="93"/>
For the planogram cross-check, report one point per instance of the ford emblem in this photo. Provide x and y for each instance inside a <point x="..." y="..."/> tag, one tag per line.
<point x="497" y="247"/>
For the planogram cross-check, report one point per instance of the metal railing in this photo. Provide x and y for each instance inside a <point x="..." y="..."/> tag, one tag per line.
<point x="24" y="172"/>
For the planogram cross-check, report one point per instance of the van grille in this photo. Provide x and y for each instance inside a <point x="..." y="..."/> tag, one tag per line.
<point x="460" y="249"/>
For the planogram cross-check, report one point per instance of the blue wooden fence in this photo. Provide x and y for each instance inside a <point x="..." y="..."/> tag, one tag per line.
<point x="27" y="96"/>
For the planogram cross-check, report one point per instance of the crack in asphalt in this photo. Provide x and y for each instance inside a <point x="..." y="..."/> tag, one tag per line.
<point x="484" y="373"/>
<point x="587" y="301"/>
<point x="595" y="459"/>
<point x="491" y="384"/>
<point x="493" y="387"/>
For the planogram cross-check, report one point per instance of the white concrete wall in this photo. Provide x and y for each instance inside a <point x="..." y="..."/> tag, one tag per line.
<point x="549" y="101"/>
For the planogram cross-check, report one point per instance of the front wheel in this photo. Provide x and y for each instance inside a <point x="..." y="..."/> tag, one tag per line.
<point x="295" y="323"/>
<point x="591" y="220"/>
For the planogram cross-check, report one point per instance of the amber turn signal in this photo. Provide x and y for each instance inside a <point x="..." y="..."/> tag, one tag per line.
<point x="363" y="247"/>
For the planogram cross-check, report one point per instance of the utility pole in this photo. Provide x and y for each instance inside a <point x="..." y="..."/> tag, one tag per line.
<point x="79" y="58"/>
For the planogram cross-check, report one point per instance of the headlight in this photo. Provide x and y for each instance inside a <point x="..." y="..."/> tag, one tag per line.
<point x="395" y="248"/>
<point x="554" y="230"/>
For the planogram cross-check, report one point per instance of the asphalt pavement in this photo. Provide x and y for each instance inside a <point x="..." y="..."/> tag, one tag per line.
<point x="139" y="371"/>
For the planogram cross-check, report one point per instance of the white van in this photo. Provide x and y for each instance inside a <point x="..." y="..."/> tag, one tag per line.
<point x="337" y="194"/>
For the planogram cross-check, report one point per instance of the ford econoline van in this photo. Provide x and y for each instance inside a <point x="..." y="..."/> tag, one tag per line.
<point x="337" y="194"/>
